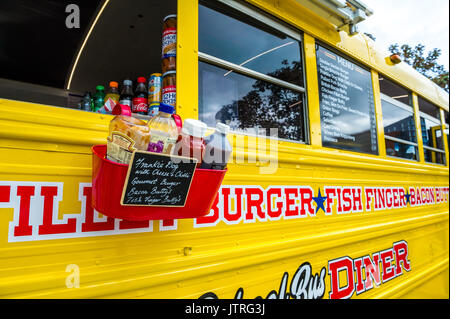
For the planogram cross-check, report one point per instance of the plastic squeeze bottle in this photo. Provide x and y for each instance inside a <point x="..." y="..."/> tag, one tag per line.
<point x="163" y="131"/>
<point x="111" y="99"/>
<point x="191" y="142"/>
<point x="217" y="149"/>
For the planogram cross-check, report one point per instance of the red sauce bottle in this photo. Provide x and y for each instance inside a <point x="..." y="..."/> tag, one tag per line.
<point x="190" y="142"/>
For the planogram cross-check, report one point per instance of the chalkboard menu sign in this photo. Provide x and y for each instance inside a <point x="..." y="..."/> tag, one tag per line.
<point x="157" y="180"/>
<point x="347" y="110"/>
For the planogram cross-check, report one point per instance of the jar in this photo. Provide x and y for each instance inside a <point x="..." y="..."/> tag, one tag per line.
<point x="126" y="134"/>
<point x="169" y="38"/>
<point x="168" y="63"/>
<point x="169" y="90"/>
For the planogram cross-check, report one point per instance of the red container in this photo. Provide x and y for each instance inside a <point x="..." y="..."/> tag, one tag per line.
<point x="108" y="179"/>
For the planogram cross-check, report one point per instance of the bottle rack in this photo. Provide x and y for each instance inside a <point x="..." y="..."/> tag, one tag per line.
<point x="108" y="180"/>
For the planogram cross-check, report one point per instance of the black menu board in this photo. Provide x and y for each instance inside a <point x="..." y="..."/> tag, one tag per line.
<point x="347" y="110"/>
<point x="157" y="180"/>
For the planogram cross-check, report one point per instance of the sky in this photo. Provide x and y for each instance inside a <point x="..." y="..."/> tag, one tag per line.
<point x="410" y="22"/>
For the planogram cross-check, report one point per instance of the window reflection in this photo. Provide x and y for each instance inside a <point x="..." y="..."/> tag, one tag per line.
<point x="431" y="133"/>
<point x="433" y="157"/>
<point x="394" y="148"/>
<point x="398" y="122"/>
<point x="229" y="35"/>
<point x="245" y="103"/>
<point x="429" y="108"/>
<point x="395" y="91"/>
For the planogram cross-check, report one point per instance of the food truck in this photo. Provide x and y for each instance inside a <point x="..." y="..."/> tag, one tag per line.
<point x="336" y="188"/>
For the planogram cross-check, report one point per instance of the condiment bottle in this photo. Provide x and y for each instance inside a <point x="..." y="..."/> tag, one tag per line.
<point x="113" y="92"/>
<point x="191" y="142"/>
<point x="126" y="134"/>
<point x="217" y="149"/>
<point x="169" y="37"/>
<point x="163" y="131"/>
<point x="111" y="99"/>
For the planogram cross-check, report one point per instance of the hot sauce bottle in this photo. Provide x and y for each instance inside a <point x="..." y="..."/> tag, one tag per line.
<point x="190" y="142"/>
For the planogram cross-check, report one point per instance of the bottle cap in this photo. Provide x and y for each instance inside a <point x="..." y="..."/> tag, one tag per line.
<point x="194" y="128"/>
<point x="121" y="109"/>
<point x="113" y="84"/>
<point x="222" y="128"/>
<point x="170" y="16"/>
<point x="127" y="82"/>
<point x="141" y="79"/>
<point x="169" y="73"/>
<point x="169" y="55"/>
<point x="99" y="87"/>
<point x="166" y="108"/>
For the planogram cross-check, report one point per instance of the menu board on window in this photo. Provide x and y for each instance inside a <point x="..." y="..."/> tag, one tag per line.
<point x="347" y="110"/>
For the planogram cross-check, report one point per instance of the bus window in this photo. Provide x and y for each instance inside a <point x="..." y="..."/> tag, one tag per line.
<point x="395" y="91"/>
<point x="399" y="130"/>
<point x="433" y="146"/>
<point x="398" y="120"/>
<point x="347" y="110"/>
<point x="250" y="72"/>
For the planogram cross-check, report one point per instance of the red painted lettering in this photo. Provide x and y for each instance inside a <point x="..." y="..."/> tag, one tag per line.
<point x="386" y="263"/>
<point x="346" y="200"/>
<point x="89" y="224"/>
<point x="291" y="201"/>
<point x="214" y="217"/>
<point x="357" y="199"/>
<point x="232" y="217"/>
<point x="335" y="268"/>
<point x="254" y="203"/>
<point x="372" y="270"/>
<point x="401" y="257"/>
<point x="306" y="195"/>
<point x="271" y="192"/>
<point x="48" y="227"/>
<point x="24" y="228"/>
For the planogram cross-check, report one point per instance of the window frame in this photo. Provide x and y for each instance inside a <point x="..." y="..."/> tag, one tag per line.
<point x="403" y="106"/>
<point x="290" y="31"/>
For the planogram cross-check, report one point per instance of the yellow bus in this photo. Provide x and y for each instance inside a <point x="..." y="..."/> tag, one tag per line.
<point x="338" y="182"/>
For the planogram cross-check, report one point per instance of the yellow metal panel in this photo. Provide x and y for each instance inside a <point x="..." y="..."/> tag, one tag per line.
<point x="187" y="56"/>
<point x="312" y="91"/>
<point x="444" y="137"/>
<point x="415" y="102"/>
<point x="378" y="114"/>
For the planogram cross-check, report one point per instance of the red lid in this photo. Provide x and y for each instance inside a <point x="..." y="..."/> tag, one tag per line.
<point x="121" y="109"/>
<point x="141" y="79"/>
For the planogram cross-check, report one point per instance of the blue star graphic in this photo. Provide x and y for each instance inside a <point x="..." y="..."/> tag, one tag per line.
<point x="319" y="201"/>
<point x="407" y="196"/>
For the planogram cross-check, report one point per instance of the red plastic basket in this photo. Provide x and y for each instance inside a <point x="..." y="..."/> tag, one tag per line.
<point x="108" y="179"/>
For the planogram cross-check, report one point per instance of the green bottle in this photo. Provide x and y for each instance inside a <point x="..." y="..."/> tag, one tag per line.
<point x="99" y="98"/>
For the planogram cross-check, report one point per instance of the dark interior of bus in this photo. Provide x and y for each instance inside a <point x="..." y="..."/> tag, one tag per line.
<point x="38" y="55"/>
